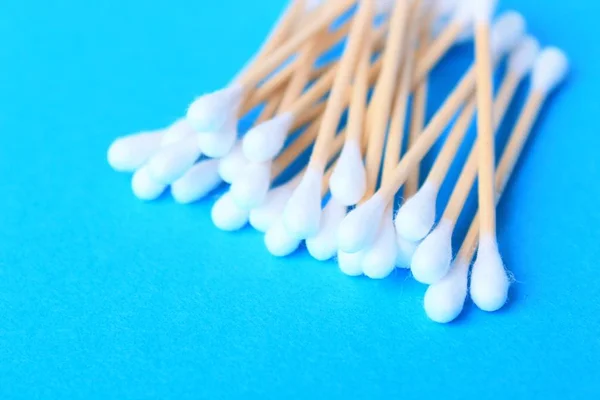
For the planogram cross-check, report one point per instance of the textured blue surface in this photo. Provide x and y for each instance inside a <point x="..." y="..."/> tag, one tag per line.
<point x="102" y="296"/>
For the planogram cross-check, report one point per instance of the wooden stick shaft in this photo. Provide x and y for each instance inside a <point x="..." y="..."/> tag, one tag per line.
<point x="419" y="106"/>
<point x="338" y="96"/>
<point x="279" y="34"/>
<point x="294" y="150"/>
<point x="485" y="129"/>
<point x="381" y="104"/>
<point x="398" y="121"/>
<point x="336" y="147"/>
<point x="301" y="75"/>
<point x="430" y="135"/>
<point x="508" y="161"/>
<point x="468" y="174"/>
<point x="438" y="48"/>
<point x="360" y="91"/>
<point x="322" y="21"/>
<point x="274" y="83"/>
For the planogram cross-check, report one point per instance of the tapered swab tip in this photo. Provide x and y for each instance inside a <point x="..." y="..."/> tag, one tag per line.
<point x="444" y="300"/>
<point x="348" y="182"/>
<point x="279" y="241"/>
<point x="489" y="280"/>
<point x="380" y="259"/>
<point x="265" y="141"/>
<point x="302" y="213"/>
<point x="433" y="256"/>
<point x="507" y="32"/>
<point x="128" y="153"/>
<point x="263" y="216"/>
<point x="216" y="111"/>
<point x="196" y="183"/>
<point x="251" y="188"/>
<point x="523" y="57"/>
<point x="323" y="246"/>
<point x="172" y="161"/>
<point x="144" y="187"/>
<point x="483" y="10"/>
<point x="550" y="69"/>
<point x="227" y="215"/>
<point x="350" y="263"/>
<point x="416" y="217"/>
<point x="360" y="227"/>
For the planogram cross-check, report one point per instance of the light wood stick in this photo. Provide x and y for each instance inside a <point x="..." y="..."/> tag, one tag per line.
<point x="485" y="128"/>
<point x="338" y="96"/>
<point x="296" y="148"/>
<point x="327" y="74"/>
<point x="419" y="107"/>
<point x="360" y="91"/>
<point x="429" y="136"/>
<point x="283" y="52"/>
<point x="505" y="169"/>
<point x="398" y="121"/>
<point x="278" y="35"/>
<point x="381" y="104"/>
<point x="436" y="50"/>
<point x="466" y="180"/>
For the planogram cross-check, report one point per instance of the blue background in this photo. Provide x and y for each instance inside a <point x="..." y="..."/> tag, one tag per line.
<point x="104" y="296"/>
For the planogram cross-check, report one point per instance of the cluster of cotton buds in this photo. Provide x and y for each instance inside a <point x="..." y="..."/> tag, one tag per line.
<point x="341" y="202"/>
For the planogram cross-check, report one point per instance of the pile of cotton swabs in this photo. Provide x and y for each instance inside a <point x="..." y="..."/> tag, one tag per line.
<point x="341" y="202"/>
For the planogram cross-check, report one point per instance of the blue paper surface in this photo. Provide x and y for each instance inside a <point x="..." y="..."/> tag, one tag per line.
<point x="103" y="296"/>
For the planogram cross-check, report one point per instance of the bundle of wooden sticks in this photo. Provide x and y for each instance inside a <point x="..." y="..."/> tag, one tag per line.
<point x="340" y="199"/>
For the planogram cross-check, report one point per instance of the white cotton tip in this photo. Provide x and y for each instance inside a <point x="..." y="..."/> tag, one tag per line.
<point x="463" y="13"/>
<point x="360" y="227"/>
<point x="323" y="246"/>
<point x="483" y="10"/>
<point x="197" y="182"/>
<point x="348" y="181"/>
<point x="279" y="241"/>
<point x="216" y="111"/>
<point x="433" y="256"/>
<point x="174" y="160"/>
<point x="217" y="145"/>
<point x="507" y="32"/>
<point x="550" y="69"/>
<point x="232" y="165"/>
<point x="445" y="299"/>
<point x="350" y="263"/>
<point x="144" y="187"/>
<point x="265" y="215"/>
<point x="406" y="251"/>
<point x="128" y="153"/>
<point x="489" y="281"/>
<point x="380" y="259"/>
<point x="302" y="213"/>
<point x="523" y="57"/>
<point x="416" y="217"/>
<point x="226" y="215"/>
<point x="264" y="141"/>
<point x="179" y="130"/>
<point x="251" y="187"/>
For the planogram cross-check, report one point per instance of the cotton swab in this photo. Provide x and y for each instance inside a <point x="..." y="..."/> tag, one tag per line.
<point x="432" y="258"/>
<point x="489" y="282"/>
<point x="303" y="210"/>
<point x="380" y="258"/>
<point x="278" y="239"/>
<point x="356" y="231"/>
<point x="348" y="180"/>
<point x="218" y="111"/>
<point x="485" y="131"/>
<point x="445" y="299"/>
<point x="198" y="181"/>
<point x="128" y="153"/>
<point x="262" y="217"/>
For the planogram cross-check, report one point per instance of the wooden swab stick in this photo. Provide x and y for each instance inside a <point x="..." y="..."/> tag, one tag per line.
<point x="432" y="257"/>
<point x="295" y="11"/>
<point x="485" y="118"/>
<point x="379" y="110"/>
<point x="282" y="76"/>
<point x="348" y="180"/>
<point x="303" y="211"/>
<point x="419" y="105"/>
<point x="444" y="300"/>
